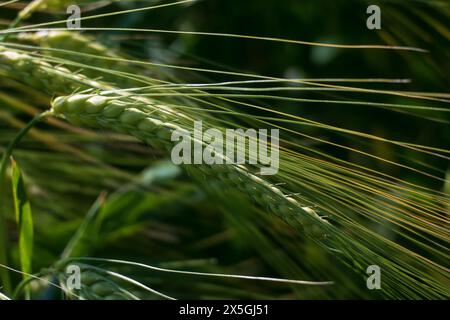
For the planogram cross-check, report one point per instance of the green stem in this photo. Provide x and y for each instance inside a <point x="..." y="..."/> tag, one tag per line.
<point x="4" y="274"/>
<point x="28" y="10"/>
<point x="12" y="25"/>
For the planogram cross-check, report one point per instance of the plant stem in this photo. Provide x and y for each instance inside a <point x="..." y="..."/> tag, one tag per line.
<point x="4" y="274"/>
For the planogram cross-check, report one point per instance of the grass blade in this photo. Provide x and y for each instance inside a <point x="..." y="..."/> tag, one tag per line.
<point x="24" y="219"/>
<point x="3" y="231"/>
<point x="4" y="276"/>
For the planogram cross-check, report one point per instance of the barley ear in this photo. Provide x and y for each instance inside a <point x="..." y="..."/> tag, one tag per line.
<point x="155" y="128"/>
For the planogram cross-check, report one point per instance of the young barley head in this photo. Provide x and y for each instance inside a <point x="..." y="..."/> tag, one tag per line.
<point x="153" y="125"/>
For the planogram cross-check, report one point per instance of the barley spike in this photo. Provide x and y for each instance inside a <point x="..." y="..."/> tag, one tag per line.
<point x="153" y="124"/>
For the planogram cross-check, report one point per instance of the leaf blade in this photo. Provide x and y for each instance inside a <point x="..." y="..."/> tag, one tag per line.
<point x="24" y="219"/>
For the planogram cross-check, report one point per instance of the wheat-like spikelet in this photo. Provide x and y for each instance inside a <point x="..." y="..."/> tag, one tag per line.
<point x="42" y="75"/>
<point x="71" y="41"/>
<point x="65" y="44"/>
<point x="154" y="123"/>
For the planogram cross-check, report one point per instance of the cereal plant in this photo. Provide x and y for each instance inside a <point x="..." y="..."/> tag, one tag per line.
<point x="96" y="98"/>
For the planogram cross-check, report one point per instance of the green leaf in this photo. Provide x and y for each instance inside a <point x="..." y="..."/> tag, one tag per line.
<point x="4" y="275"/>
<point x="24" y="219"/>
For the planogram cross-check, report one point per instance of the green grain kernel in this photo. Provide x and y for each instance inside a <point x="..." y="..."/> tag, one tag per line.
<point x="149" y="125"/>
<point x="114" y="109"/>
<point x="95" y="104"/>
<point x="74" y="120"/>
<point x="165" y="133"/>
<point x="59" y="105"/>
<point x="76" y="103"/>
<point x="132" y="116"/>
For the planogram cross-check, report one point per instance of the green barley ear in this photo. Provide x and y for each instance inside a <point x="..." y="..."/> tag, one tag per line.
<point x="149" y="124"/>
<point x="42" y="75"/>
<point x="74" y="42"/>
<point x="66" y="44"/>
